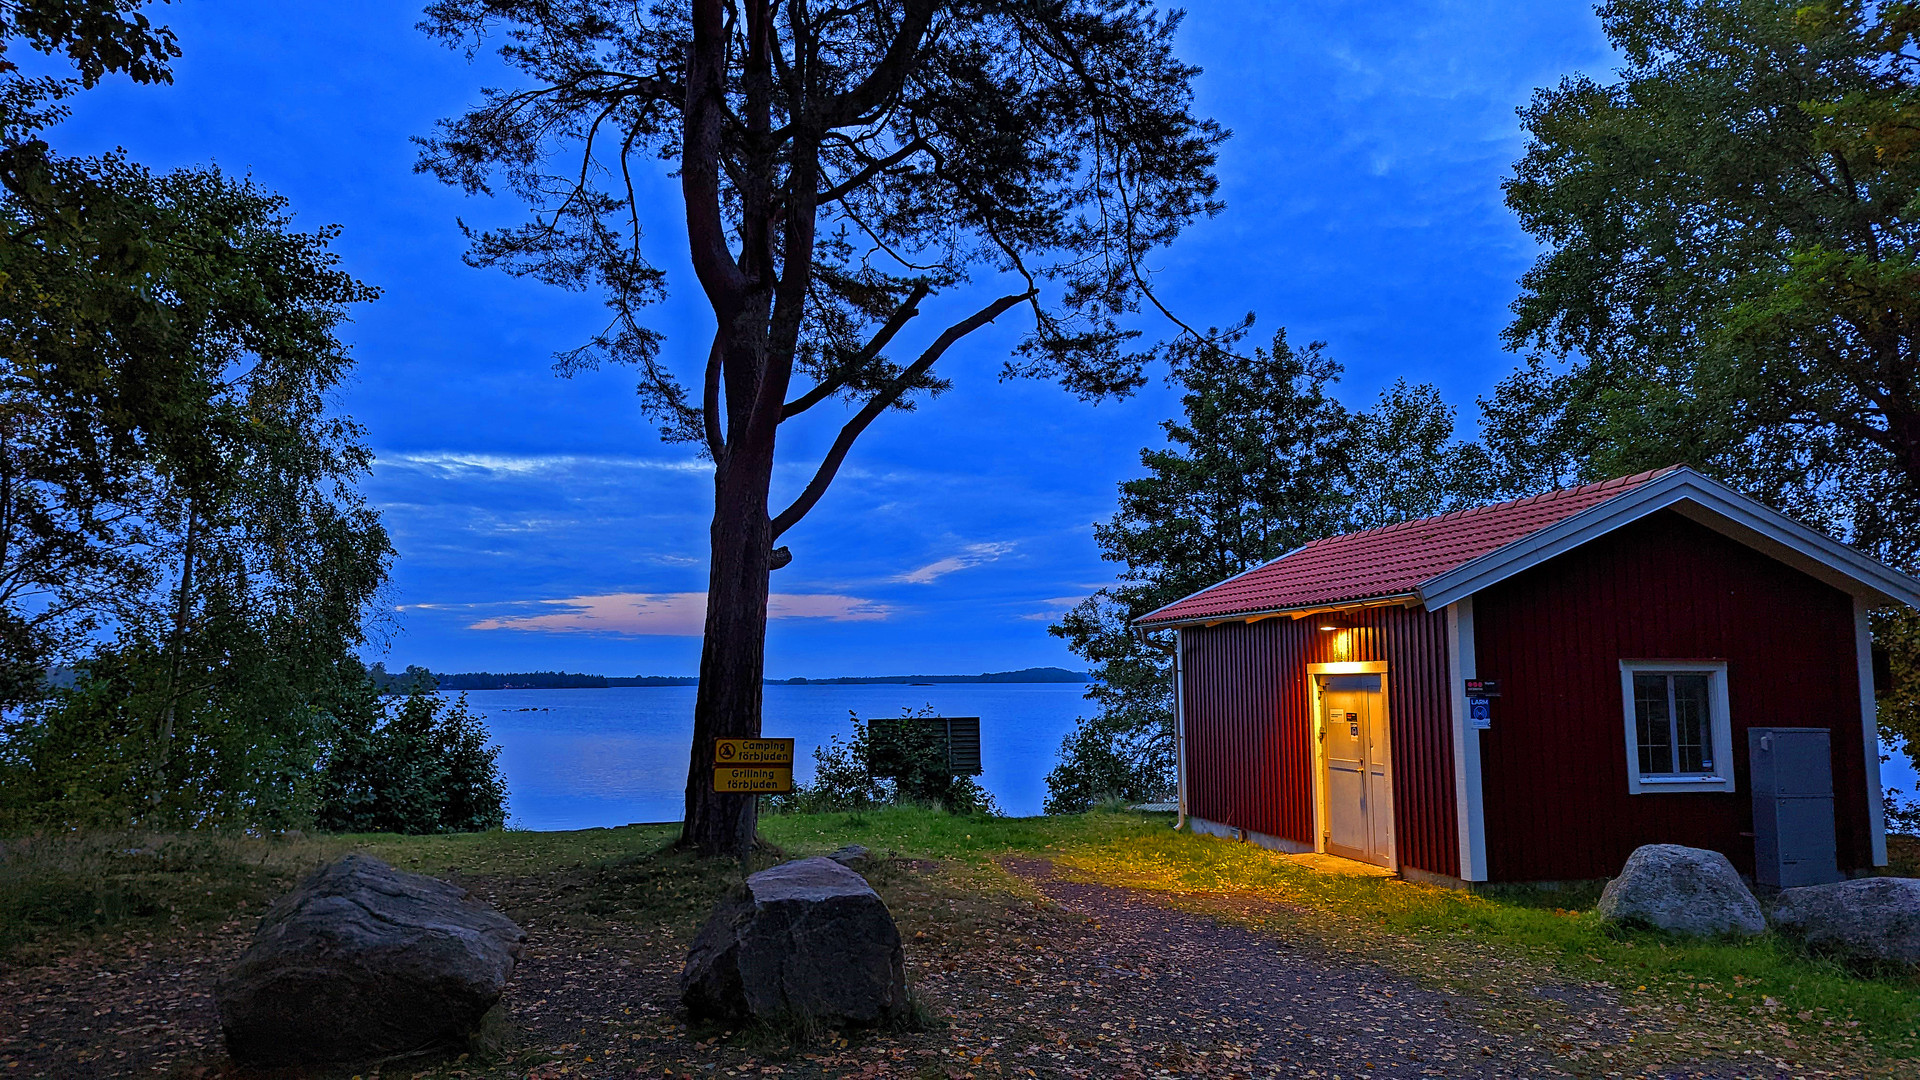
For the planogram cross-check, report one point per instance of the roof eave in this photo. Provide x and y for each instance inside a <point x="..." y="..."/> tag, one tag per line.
<point x="1386" y="600"/>
<point x="1142" y="620"/>
<point x="1705" y="501"/>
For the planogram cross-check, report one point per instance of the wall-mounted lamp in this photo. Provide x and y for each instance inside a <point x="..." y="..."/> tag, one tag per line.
<point x="1334" y="620"/>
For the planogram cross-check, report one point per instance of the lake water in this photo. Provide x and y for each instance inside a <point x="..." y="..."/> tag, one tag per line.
<point x="578" y="759"/>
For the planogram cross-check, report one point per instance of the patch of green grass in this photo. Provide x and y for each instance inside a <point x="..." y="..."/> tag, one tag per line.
<point x="918" y="833"/>
<point x="56" y="889"/>
<point x="64" y="888"/>
<point x="511" y="852"/>
<point x="69" y="887"/>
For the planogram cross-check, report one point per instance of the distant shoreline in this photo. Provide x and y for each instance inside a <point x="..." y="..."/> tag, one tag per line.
<point x="562" y="680"/>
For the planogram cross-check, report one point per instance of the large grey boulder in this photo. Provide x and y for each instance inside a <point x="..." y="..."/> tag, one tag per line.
<point x="362" y="963"/>
<point x="807" y="941"/>
<point x="1684" y="890"/>
<point x="1868" y="920"/>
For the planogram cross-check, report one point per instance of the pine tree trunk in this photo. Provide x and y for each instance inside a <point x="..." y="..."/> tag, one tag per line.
<point x="733" y="652"/>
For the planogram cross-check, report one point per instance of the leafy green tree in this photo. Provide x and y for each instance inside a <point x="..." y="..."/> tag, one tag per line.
<point x="840" y="167"/>
<point x="413" y="678"/>
<point x="476" y="792"/>
<point x="1732" y="270"/>
<point x="1263" y="460"/>
<point x="177" y="497"/>
<point x="1730" y="277"/>
<point x="349" y="792"/>
<point x="1253" y="469"/>
<point x="1407" y="463"/>
<point x="72" y="276"/>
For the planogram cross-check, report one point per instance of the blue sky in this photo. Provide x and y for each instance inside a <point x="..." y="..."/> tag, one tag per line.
<point x="540" y="524"/>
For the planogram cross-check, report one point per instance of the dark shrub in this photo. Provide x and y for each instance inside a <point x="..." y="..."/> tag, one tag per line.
<point x="424" y="766"/>
<point x="888" y="762"/>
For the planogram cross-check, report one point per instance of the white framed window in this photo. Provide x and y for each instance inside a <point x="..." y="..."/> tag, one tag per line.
<point x="1679" y="735"/>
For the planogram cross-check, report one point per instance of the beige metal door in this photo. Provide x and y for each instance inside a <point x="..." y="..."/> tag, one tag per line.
<point x="1359" y="793"/>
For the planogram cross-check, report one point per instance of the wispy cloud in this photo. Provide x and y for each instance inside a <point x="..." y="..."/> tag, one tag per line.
<point x="505" y="466"/>
<point x="969" y="556"/>
<point x="672" y="614"/>
<point x="1053" y="607"/>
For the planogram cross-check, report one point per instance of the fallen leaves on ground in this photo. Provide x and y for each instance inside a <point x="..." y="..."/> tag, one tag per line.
<point x="1034" y="975"/>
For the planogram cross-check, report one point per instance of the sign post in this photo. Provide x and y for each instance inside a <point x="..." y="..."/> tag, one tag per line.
<point x="752" y="767"/>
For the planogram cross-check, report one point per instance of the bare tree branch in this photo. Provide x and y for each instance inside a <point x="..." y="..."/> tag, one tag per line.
<point x="874" y="168"/>
<point x="828" y="387"/>
<point x="886" y="78"/>
<point x="881" y="402"/>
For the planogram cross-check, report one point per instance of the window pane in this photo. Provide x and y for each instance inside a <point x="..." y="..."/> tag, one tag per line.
<point x="1692" y="723"/>
<point x="1650" y="716"/>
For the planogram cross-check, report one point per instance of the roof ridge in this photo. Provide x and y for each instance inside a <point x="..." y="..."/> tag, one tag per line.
<point x="1391" y="552"/>
<point x="1550" y="495"/>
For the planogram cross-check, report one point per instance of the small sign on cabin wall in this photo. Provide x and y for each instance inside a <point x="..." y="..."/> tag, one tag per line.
<point x="1479" y="713"/>
<point x="752" y="766"/>
<point x="1483" y="688"/>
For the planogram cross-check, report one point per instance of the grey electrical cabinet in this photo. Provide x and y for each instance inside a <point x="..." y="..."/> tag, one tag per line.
<point x="1792" y="782"/>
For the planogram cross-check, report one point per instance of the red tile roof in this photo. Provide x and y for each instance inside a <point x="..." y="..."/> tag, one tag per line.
<point x="1389" y="561"/>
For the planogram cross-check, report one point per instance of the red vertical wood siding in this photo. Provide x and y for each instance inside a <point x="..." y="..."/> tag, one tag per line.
<point x="1249" y="725"/>
<point x="1554" y="764"/>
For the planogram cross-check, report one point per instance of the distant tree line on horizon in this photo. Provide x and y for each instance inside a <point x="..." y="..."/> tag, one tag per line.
<point x="415" y="677"/>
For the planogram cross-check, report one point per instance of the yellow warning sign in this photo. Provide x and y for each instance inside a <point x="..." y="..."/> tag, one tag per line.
<point x="759" y="779"/>
<point x="753" y="752"/>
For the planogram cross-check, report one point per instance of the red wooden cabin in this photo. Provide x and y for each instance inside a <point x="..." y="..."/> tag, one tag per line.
<point x="1635" y="629"/>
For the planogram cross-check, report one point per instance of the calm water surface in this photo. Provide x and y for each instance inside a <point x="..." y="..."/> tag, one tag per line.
<point x="577" y="759"/>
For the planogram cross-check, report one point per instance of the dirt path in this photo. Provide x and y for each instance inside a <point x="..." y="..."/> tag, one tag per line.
<point x="1189" y="979"/>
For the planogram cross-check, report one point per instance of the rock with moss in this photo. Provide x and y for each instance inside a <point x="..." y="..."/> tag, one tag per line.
<point x="805" y="943"/>
<point x="1682" y="890"/>
<point x="364" y="963"/>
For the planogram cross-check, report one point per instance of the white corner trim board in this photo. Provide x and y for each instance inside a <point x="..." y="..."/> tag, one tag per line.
<point x="1180" y="722"/>
<point x="1870" y="732"/>
<point x="1468" y="795"/>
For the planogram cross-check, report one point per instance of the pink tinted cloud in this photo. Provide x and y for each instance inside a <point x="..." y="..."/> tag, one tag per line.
<point x="673" y="614"/>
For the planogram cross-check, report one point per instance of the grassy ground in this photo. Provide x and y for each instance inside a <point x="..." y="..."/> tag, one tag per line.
<point x="64" y="899"/>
